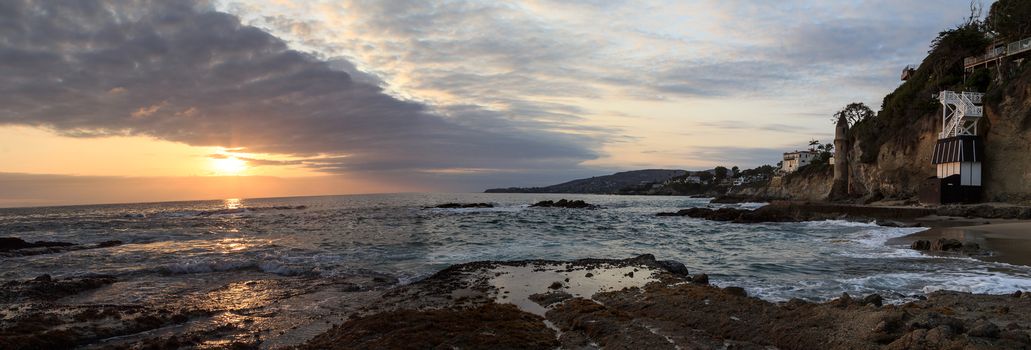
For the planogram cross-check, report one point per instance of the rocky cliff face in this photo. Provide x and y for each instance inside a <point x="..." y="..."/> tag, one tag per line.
<point x="810" y="186"/>
<point x="1007" y="173"/>
<point x="902" y="165"/>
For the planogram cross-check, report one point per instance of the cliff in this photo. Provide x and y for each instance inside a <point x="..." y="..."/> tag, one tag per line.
<point x="889" y="155"/>
<point x="813" y="184"/>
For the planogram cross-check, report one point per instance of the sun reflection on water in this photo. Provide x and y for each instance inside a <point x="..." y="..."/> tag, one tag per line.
<point x="233" y="203"/>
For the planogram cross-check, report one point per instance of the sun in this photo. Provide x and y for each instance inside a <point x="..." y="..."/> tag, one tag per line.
<point x="228" y="166"/>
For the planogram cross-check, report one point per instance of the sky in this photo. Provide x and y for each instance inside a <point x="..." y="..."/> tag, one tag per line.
<point x="139" y="100"/>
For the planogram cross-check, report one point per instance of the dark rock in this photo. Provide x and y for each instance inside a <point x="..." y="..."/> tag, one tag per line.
<point x="700" y="279"/>
<point x="565" y="203"/>
<point x="43" y="278"/>
<point x="931" y="320"/>
<point x="893" y="223"/>
<point x="547" y="299"/>
<point x="873" y="299"/>
<point x="555" y="285"/>
<point x="984" y="329"/>
<point x="948" y="244"/>
<point x="589" y="275"/>
<point x="463" y="205"/>
<point x="14" y="243"/>
<point x="843" y="301"/>
<point x="674" y="267"/>
<point x="738" y="291"/>
<point x="922" y="244"/>
<point x="1016" y="294"/>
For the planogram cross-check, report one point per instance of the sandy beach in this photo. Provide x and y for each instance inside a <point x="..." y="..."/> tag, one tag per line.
<point x="1007" y="241"/>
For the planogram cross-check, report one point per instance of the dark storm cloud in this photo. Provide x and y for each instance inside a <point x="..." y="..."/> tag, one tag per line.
<point x="181" y="72"/>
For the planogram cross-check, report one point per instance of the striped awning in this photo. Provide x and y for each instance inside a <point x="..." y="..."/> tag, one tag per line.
<point x="964" y="148"/>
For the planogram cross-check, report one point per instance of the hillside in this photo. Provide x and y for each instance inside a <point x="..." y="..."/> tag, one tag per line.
<point x="890" y="154"/>
<point x="607" y="184"/>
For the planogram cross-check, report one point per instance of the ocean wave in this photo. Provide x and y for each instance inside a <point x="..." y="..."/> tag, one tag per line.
<point x="223" y="265"/>
<point x="979" y="282"/>
<point x="510" y="209"/>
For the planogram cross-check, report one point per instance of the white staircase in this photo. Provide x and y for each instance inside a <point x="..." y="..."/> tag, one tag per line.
<point x="960" y="113"/>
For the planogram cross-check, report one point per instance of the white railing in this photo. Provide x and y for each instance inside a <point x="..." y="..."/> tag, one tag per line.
<point x="996" y="52"/>
<point x="960" y="112"/>
<point x="1018" y="46"/>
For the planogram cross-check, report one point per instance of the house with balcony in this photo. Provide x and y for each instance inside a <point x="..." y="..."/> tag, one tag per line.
<point x="797" y="159"/>
<point x="997" y="52"/>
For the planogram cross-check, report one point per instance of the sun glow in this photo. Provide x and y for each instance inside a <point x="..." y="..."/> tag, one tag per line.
<point x="228" y="166"/>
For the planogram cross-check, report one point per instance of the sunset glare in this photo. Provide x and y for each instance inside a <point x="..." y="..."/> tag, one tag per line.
<point x="228" y="166"/>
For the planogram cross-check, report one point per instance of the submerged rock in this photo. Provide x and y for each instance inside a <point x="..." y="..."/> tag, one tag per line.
<point x="46" y="288"/>
<point x="946" y="245"/>
<point x="565" y="203"/>
<point x="14" y="243"/>
<point x="762" y="214"/>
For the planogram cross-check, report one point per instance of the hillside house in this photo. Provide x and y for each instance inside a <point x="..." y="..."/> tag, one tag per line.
<point x="797" y="159"/>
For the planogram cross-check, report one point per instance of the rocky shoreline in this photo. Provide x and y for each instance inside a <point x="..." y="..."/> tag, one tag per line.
<point x="465" y="306"/>
<point x="640" y="302"/>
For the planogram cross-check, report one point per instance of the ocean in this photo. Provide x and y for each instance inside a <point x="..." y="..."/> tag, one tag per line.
<point x="169" y="248"/>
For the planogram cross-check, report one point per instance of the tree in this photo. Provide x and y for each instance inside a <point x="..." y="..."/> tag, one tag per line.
<point x="828" y="147"/>
<point x="854" y="112"/>
<point x="735" y="171"/>
<point x="813" y="144"/>
<point x="720" y="173"/>
<point x="1010" y="19"/>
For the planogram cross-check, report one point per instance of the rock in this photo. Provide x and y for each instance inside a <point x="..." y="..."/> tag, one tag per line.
<point x="843" y="301"/>
<point x="931" y="320"/>
<point x="555" y="285"/>
<point x="565" y="203"/>
<point x="984" y="329"/>
<point x="763" y="214"/>
<point x="547" y="299"/>
<point x="14" y="243"/>
<point x="43" y="278"/>
<point x="946" y="244"/>
<point x="463" y="205"/>
<point x="589" y="275"/>
<point x="873" y="299"/>
<point x="738" y="291"/>
<point x="674" y="267"/>
<point x="700" y="279"/>
<point x="922" y="244"/>
<point x="893" y="223"/>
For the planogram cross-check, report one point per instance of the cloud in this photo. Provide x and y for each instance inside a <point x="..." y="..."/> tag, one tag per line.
<point x="183" y="72"/>
<point x="743" y="156"/>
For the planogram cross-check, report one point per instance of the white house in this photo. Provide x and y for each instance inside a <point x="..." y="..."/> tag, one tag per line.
<point x="797" y="159"/>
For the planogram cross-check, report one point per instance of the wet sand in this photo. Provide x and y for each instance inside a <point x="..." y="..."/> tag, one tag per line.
<point x="1007" y="241"/>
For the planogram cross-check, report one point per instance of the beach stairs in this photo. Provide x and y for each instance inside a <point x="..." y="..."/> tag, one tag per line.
<point x="960" y="113"/>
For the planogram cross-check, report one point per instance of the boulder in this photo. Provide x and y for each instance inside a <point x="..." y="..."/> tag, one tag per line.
<point x="922" y="244"/>
<point x="738" y="291"/>
<point x="873" y="299"/>
<point x="674" y="267"/>
<point x="700" y="279"/>
<point x="565" y="203"/>
<point x="946" y="244"/>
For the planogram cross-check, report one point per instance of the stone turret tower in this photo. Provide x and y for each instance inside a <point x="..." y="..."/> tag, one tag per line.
<point x="840" y="187"/>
